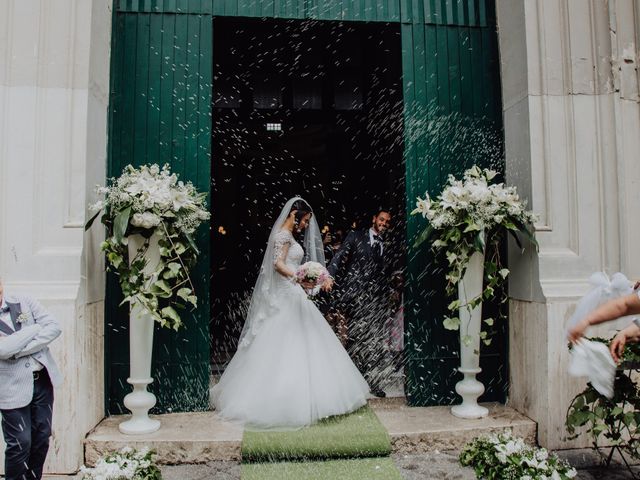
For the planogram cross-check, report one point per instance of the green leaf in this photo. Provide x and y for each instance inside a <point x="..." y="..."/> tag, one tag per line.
<point x="169" y="312"/>
<point x="528" y="232"/>
<point x="120" y="224"/>
<point x="192" y="244"/>
<point x="162" y="285"/>
<point x="479" y="241"/>
<point x="451" y="323"/>
<point x="184" y="293"/>
<point x="91" y="220"/>
<point x="489" y="321"/>
<point x="517" y="240"/>
<point x="466" y="340"/>
<point x="180" y="248"/>
<point x="454" y="305"/>
<point x="115" y="259"/>
<point x="423" y="236"/>
<point x="172" y="270"/>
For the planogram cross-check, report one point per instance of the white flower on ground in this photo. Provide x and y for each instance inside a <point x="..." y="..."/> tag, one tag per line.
<point x="542" y="454"/>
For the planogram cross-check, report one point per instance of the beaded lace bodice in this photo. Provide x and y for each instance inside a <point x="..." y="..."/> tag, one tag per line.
<point x="294" y="257"/>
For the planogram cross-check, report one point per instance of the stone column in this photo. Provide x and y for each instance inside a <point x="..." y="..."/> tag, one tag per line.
<point x="571" y="115"/>
<point x="54" y="78"/>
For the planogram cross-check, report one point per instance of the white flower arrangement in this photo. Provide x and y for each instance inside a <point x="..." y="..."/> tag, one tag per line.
<point x="23" y="317"/>
<point x="151" y="200"/>
<point x="503" y="456"/>
<point x="472" y="215"/>
<point x="127" y="464"/>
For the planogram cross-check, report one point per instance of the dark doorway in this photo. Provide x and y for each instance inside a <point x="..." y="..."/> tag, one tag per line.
<point x="300" y="108"/>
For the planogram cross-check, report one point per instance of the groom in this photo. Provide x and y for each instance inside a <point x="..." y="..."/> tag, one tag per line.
<point x="27" y="376"/>
<point x="360" y="268"/>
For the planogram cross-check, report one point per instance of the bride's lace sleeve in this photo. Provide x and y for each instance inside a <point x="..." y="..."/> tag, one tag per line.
<point x="281" y="240"/>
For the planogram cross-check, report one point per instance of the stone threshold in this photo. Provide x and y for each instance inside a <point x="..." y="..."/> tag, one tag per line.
<point x="429" y="429"/>
<point x="200" y="437"/>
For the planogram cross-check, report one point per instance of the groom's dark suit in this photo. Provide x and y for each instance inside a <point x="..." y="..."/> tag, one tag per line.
<point x="361" y="295"/>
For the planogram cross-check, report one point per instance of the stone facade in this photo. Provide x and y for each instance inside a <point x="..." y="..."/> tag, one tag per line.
<point x="572" y="124"/>
<point x="54" y="83"/>
<point x="572" y="134"/>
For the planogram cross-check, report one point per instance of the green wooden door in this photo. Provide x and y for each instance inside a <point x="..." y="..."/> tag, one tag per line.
<point x="452" y="121"/>
<point x="160" y="112"/>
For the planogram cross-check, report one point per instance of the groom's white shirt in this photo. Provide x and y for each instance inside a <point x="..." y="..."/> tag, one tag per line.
<point x="372" y="242"/>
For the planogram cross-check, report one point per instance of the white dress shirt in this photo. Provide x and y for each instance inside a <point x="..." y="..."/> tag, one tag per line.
<point x="372" y="242"/>
<point x="5" y="316"/>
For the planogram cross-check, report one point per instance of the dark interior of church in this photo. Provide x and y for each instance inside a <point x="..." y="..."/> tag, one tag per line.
<point x="300" y="108"/>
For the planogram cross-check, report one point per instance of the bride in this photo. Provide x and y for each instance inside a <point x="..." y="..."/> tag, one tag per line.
<point x="290" y="369"/>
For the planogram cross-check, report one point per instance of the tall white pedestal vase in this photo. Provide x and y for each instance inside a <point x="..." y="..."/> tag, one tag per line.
<point x="141" y="324"/>
<point x="469" y="388"/>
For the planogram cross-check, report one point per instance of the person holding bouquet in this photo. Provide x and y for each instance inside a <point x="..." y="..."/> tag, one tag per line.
<point x="612" y="310"/>
<point x="289" y="370"/>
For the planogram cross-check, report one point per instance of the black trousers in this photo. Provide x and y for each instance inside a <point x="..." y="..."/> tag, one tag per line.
<point x="27" y="430"/>
<point x="366" y="314"/>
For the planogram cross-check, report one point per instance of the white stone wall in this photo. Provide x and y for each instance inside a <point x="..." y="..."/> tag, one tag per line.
<point x="54" y="64"/>
<point x="572" y="135"/>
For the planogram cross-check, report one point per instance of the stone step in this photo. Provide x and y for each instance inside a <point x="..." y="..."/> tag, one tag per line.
<point x="427" y="429"/>
<point x="195" y="437"/>
<point x="200" y="437"/>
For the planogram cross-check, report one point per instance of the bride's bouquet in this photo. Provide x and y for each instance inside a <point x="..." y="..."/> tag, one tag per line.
<point x="313" y="273"/>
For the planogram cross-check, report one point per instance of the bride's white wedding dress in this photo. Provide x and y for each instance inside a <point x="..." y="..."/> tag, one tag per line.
<point x="290" y="370"/>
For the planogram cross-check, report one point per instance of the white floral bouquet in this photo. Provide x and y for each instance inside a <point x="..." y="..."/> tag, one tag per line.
<point x="151" y="200"/>
<point x="312" y="272"/>
<point x="472" y="215"/>
<point x="127" y="464"/>
<point x="503" y="456"/>
<point x="149" y="196"/>
<point x="475" y="203"/>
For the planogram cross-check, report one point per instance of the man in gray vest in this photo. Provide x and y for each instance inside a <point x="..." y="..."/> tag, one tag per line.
<point x="28" y="374"/>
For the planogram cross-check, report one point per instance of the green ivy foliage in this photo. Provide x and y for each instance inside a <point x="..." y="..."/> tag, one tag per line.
<point x="615" y="421"/>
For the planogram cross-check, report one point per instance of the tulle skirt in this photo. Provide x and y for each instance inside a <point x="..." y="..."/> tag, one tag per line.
<point x="294" y="372"/>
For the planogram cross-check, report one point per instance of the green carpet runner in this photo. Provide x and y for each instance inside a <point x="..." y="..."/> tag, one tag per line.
<point x="351" y="447"/>
<point x="379" y="468"/>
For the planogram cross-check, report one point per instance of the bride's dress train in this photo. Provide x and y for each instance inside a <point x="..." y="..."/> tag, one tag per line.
<point x="290" y="370"/>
